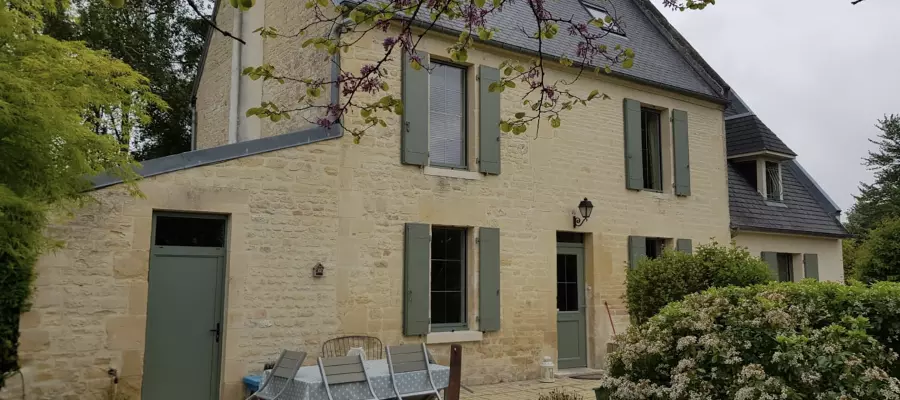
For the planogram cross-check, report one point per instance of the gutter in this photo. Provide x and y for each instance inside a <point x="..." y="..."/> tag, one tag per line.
<point x="235" y="89"/>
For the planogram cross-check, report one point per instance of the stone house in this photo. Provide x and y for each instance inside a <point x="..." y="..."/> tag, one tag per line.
<point x="444" y="232"/>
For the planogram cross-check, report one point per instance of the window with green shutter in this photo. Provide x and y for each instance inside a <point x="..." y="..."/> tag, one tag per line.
<point x="489" y="279"/>
<point x="811" y="266"/>
<point x="637" y="249"/>
<point x="489" y="121"/>
<point x="414" y="131"/>
<point x="448" y="278"/>
<point x="682" y="160"/>
<point x="416" y="267"/>
<point x="684" y="246"/>
<point x="634" y="169"/>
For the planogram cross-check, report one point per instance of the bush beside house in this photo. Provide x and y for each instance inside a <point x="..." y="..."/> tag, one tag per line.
<point x="878" y="259"/>
<point x="674" y="275"/>
<point x="806" y="340"/>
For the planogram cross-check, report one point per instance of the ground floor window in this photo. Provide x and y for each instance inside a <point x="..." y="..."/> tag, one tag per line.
<point x="448" y="278"/>
<point x="785" y="267"/>
<point x="655" y="247"/>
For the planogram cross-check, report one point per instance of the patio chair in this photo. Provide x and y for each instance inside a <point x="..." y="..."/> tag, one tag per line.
<point x="410" y="358"/>
<point x="285" y="369"/>
<point x="344" y="370"/>
<point x="340" y="347"/>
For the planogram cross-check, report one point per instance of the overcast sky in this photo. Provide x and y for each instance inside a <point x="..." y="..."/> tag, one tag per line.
<point x="819" y="73"/>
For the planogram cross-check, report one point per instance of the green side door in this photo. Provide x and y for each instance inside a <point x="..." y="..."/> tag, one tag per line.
<point x="182" y="358"/>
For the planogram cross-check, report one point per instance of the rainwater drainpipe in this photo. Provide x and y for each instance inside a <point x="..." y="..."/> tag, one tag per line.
<point x="235" y="88"/>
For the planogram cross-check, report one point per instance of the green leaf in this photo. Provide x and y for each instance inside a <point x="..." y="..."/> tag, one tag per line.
<point x="384" y="86"/>
<point x="520" y="115"/>
<point x="508" y="71"/>
<point x="479" y="3"/>
<point x="628" y="63"/>
<point x="504" y="127"/>
<point x="555" y="122"/>
<point x="510" y="84"/>
<point x="365" y="113"/>
<point x="593" y="94"/>
<point x="519" y="129"/>
<point x="323" y="3"/>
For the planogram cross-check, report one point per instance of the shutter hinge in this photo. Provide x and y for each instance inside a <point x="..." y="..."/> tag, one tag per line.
<point x="478" y="240"/>
<point x="477" y="77"/>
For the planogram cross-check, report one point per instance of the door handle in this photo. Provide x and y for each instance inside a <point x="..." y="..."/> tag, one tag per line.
<point x="218" y="331"/>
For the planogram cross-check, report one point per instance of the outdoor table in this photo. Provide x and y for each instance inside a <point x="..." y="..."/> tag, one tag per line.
<point x="308" y="385"/>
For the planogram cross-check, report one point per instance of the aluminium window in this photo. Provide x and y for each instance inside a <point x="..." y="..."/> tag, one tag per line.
<point x="610" y="25"/>
<point x="447" y="116"/>
<point x="448" y="278"/>
<point x="774" y="190"/>
<point x="651" y="149"/>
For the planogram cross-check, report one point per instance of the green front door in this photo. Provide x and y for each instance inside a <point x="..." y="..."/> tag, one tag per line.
<point x="570" y="306"/>
<point x="184" y="316"/>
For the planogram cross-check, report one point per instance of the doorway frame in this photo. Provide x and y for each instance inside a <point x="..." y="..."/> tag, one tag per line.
<point x="221" y="283"/>
<point x="582" y="288"/>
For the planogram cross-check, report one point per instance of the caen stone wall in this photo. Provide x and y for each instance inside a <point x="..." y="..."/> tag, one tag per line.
<point x="831" y="256"/>
<point x="345" y="205"/>
<point x="215" y="85"/>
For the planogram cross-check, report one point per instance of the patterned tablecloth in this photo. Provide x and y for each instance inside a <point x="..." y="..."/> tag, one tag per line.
<point x="308" y="385"/>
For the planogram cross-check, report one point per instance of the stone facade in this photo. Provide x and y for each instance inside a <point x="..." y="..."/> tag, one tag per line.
<point x="345" y="205"/>
<point x="214" y="86"/>
<point x="831" y="257"/>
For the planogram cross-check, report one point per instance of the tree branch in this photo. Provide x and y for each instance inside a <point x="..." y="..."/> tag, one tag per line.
<point x="211" y="23"/>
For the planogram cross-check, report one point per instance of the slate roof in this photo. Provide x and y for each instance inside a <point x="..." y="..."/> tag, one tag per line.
<point x="800" y="213"/>
<point x="748" y="134"/>
<point x="659" y="57"/>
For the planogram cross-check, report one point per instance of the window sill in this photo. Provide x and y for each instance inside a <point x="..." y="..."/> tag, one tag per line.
<point x="453" y="337"/>
<point x="453" y="173"/>
<point x="776" y="204"/>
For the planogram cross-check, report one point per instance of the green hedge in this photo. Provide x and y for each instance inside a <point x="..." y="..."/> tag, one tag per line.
<point x="807" y="340"/>
<point x="21" y="225"/>
<point x="660" y="281"/>
<point x="878" y="258"/>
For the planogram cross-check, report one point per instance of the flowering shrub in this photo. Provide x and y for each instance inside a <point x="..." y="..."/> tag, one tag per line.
<point x="670" y="277"/>
<point x="806" y="340"/>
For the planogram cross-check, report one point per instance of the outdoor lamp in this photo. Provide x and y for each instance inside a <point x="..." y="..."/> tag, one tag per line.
<point x="585" y="208"/>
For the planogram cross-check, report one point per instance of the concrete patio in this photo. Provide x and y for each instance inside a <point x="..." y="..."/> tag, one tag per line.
<point x="529" y="390"/>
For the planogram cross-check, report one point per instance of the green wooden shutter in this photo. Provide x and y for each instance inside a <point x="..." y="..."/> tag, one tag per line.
<point x="811" y="266"/>
<point x="634" y="165"/>
<point x="682" y="153"/>
<point x="414" y="132"/>
<point x="637" y="249"/>
<point x="489" y="122"/>
<point x="489" y="282"/>
<point x="771" y="259"/>
<point x="416" y="267"/>
<point x="684" y="246"/>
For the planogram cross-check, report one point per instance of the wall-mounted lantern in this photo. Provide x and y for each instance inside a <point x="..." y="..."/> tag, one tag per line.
<point x="585" y="208"/>
<point x="318" y="270"/>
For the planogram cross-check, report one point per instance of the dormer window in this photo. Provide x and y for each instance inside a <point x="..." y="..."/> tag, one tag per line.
<point x="764" y="174"/>
<point x="773" y="189"/>
<point x="609" y="24"/>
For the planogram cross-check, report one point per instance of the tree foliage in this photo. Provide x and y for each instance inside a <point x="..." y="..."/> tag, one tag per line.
<point x="878" y="258"/>
<point x="807" y="340"/>
<point x="51" y="94"/>
<point x="880" y="200"/>
<point x="160" y="39"/>
<point x="674" y="275"/>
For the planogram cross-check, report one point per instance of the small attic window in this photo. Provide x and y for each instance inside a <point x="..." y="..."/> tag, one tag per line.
<point x="774" y="191"/>
<point x="601" y="14"/>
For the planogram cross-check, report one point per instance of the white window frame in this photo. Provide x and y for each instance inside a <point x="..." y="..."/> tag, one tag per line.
<point x="762" y="180"/>
<point x="599" y="13"/>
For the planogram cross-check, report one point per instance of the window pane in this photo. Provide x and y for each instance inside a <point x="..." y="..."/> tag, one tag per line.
<point x="446" y="126"/>
<point x="188" y="231"/>
<point x="571" y="297"/>
<point x="438" y="275"/>
<point x="438" y="308"/>
<point x="454" y="308"/>
<point x="785" y="267"/>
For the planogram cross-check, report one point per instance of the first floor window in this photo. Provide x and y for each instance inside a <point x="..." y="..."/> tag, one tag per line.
<point x="446" y="116"/>
<point x="448" y="273"/>
<point x="651" y="148"/>
<point x="785" y="267"/>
